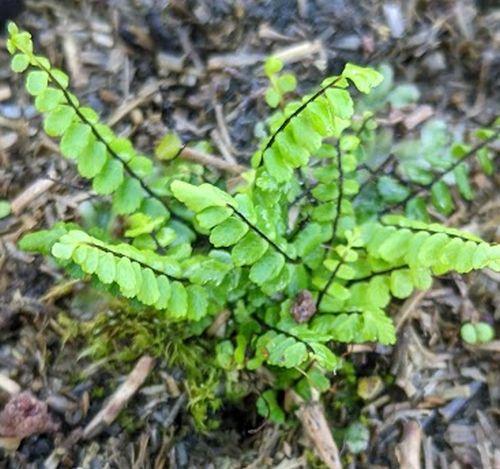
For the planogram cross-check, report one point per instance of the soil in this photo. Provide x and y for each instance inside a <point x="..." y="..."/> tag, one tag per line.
<point x="196" y="66"/>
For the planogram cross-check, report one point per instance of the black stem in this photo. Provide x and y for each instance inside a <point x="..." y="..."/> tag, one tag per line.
<point x="375" y="274"/>
<point x="131" y="259"/>
<point x="440" y="176"/>
<point x="335" y="225"/>
<point x="263" y="235"/>
<point x="341" y="192"/>
<point x="264" y="324"/>
<point x="101" y="139"/>
<point x="285" y="123"/>
<point x="328" y="283"/>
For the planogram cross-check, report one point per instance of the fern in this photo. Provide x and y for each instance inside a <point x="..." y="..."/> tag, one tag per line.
<point x="295" y="286"/>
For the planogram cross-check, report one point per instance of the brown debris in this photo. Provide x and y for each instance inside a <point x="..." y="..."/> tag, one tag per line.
<point x="304" y="306"/>
<point x="25" y="415"/>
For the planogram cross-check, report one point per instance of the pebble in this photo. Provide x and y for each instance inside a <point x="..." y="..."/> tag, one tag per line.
<point x="30" y="112"/>
<point x="73" y="418"/>
<point x="182" y="457"/>
<point x="395" y="19"/>
<point x="435" y="62"/>
<point x="8" y="140"/>
<point x="168" y="63"/>
<point x="350" y="42"/>
<point x="10" y="111"/>
<point x="103" y="40"/>
<point x="5" y="93"/>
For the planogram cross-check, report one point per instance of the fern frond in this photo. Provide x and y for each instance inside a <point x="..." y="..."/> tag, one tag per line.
<point x="152" y="279"/>
<point x="110" y="161"/>
<point x="300" y="131"/>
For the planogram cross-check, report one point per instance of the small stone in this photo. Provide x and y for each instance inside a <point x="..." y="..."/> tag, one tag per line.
<point x="370" y="387"/>
<point x="168" y="63"/>
<point x="395" y="20"/>
<point x="103" y="40"/>
<point x="5" y="92"/>
<point x="435" y="62"/>
<point x="10" y="111"/>
<point x="351" y="42"/>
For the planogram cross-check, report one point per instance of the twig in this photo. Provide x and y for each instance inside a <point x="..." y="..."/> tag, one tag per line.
<point x="408" y="308"/>
<point x="408" y="449"/>
<point x="146" y="92"/>
<point x="206" y="159"/>
<point x="299" y="52"/>
<point x="313" y="420"/>
<point x="120" y="397"/>
<point x="28" y="195"/>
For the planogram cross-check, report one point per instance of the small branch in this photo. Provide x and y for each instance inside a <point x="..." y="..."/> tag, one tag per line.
<point x="408" y="449"/>
<point x="408" y="308"/>
<point x="28" y="195"/>
<point x="312" y="417"/>
<point x="120" y="397"/>
<point x="197" y="156"/>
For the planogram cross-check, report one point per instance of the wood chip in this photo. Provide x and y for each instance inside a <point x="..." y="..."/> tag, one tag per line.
<point x="143" y="95"/>
<point x="79" y="77"/>
<point x="200" y="157"/>
<point x="237" y="60"/>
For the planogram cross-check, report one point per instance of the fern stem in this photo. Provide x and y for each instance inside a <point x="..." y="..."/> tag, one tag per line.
<point x="363" y="125"/>
<point x="373" y="173"/>
<point x="375" y="274"/>
<point x="341" y="191"/>
<point x="322" y="293"/>
<point x="335" y="224"/>
<point x="440" y="176"/>
<point x="131" y="259"/>
<point x="267" y="326"/>
<point x="285" y="123"/>
<point x="426" y="230"/>
<point x="263" y="235"/>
